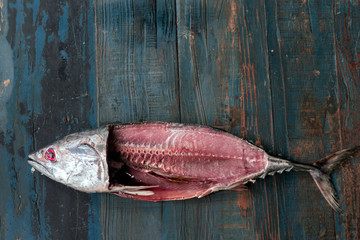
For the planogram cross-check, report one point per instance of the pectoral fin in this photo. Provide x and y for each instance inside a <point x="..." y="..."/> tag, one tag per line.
<point x="133" y="190"/>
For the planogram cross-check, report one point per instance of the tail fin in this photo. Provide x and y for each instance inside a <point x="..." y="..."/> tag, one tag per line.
<point x="321" y="173"/>
<point x="326" y="187"/>
<point x="329" y="163"/>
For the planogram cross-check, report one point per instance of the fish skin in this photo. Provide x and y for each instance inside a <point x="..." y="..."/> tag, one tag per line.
<point x="80" y="161"/>
<point x="169" y="161"/>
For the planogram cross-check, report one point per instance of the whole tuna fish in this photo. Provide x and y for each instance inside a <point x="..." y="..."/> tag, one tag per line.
<point x="168" y="161"/>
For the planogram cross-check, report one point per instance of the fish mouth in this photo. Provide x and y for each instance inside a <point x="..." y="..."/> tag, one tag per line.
<point x="37" y="165"/>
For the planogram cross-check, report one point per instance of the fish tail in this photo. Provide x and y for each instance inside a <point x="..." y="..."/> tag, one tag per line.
<point x="329" y="163"/>
<point x="326" y="188"/>
<point x="320" y="172"/>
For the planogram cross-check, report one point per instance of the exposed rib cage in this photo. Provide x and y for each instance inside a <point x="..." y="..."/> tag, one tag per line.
<point x="187" y="151"/>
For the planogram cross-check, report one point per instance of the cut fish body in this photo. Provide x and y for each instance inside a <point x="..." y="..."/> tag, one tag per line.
<point x="200" y="153"/>
<point x="183" y="161"/>
<point x="168" y="161"/>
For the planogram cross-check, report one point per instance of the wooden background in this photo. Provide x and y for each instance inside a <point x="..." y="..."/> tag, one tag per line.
<point x="283" y="74"/>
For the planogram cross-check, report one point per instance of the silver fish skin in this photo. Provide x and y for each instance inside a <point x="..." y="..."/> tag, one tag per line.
<point x="169" y="161"/>
<point x="80" y="161"/>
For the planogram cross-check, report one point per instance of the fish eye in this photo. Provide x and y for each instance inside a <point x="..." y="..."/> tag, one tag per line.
<point x="50" y="155"/>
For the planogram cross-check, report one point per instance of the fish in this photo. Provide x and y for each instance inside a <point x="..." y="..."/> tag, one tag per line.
<point x="169" y="161"/>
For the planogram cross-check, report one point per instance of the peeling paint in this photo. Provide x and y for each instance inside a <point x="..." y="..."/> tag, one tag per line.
<point x="63" y="23"/>
<point x="6" y="82"/>
<point x="6" y="87"/>
<point x="6" y="66"/>
<point x="3" y="17"/>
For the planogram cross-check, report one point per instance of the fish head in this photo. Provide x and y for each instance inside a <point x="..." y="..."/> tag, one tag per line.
<point x="78" y="161"/>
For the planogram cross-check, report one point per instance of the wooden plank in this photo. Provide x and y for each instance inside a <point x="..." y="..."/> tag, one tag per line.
<point x="137" y="77"/>
<point x="346" y="17"/>
<point x="278" y="97"/>
<point x="308" y="69"/>
<point x="224" y="79"/>
<point x="50" y="99"/>
<point x="7" y="176"/>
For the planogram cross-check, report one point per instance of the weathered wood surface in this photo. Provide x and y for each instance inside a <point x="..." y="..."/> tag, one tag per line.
<point x="282" y="74"/>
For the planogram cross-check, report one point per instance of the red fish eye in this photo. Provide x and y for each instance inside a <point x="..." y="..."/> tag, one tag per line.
<point x="50" y="154"/>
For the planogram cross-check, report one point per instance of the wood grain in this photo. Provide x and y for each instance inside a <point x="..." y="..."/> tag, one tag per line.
<point x="223" y="79"/>
<point x="138" y="81"/>
<point x="346" y="41"/>
<point x="307" y="50"/>
<point x="50" y="99"/>
<point x="282" y="74"/>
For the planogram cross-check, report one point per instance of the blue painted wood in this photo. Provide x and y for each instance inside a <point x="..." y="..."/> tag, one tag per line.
<point x="306" y="50"/>
<point x="283" y="74"/>
<point x="346" y="40"/>
<point x="51" y="94"/>
<point x="137" y="77"/>
<point x="224" y="79"/>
